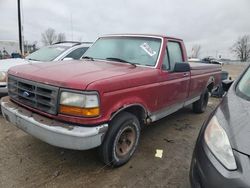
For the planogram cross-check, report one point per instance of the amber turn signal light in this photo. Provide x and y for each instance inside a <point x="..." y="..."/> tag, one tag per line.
<point x="77" y="111"/>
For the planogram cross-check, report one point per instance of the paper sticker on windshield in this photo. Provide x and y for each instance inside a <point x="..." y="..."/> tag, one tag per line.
<point x="147" y="49"/>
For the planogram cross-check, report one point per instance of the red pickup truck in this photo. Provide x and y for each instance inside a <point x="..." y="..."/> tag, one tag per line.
<point x="122" y="83"/>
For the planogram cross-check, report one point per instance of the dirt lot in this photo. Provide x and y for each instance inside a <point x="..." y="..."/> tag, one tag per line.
<point x="28" y="162"/>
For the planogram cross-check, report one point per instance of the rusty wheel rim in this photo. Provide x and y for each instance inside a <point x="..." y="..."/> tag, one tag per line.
<point x="125" y="142"/>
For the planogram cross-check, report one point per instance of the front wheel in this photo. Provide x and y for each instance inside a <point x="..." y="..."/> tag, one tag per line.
<point x="201" y="105"/>
<point x="121" y="140"/>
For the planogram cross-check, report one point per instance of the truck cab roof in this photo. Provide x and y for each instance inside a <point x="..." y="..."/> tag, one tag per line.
<point x="143" y="35"/>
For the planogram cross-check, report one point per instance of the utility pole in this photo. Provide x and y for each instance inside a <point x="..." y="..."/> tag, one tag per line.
<point x="20" y="28"/>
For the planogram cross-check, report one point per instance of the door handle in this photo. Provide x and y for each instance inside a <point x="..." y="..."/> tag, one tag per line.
<point x="185" y="74"/>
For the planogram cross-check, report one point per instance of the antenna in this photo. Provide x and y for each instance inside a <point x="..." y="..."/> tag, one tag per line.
<point x="71" y="25"/>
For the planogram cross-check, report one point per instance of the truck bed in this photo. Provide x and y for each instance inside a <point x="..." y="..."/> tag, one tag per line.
<point x="203" y="73"/>
<point x="203" y="68"/>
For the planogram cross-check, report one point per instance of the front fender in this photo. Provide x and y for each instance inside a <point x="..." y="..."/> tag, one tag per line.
<point x="113" y="104"/>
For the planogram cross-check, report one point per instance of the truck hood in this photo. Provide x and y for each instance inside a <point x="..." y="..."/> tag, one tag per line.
<point x="5" y="64"/>
<point x="234" y="115"/>
<point x="72" y="74"/>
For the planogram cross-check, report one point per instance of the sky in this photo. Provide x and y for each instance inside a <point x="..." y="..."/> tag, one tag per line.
<point x="213" y="24"/>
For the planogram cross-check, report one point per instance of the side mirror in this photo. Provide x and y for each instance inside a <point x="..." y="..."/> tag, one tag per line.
<point x="226" y="84"/>
<point x="68" y="59"/>
<point x="181" y="67"/>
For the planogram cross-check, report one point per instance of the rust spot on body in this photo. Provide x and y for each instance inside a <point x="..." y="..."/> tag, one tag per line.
<point x="51" y="122"/>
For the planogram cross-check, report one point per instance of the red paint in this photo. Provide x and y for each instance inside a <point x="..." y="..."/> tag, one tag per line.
<point x="121" y="84"/>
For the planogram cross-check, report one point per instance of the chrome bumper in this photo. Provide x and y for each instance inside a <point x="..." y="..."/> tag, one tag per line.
<point x="3" y="89"/>
<point x="51" y="131"/>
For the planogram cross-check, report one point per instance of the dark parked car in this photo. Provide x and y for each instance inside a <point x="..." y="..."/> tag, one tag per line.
<point x="211" y="60"/>
<point x="16" y="55"/>
<point x="219" y="91"/>
<point x="221" y="156"/>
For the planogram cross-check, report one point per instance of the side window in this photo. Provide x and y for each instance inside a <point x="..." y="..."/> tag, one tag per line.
<point x="165" y="64"/>
<point x="174" y="53"/>
<point x="77" y="54"/>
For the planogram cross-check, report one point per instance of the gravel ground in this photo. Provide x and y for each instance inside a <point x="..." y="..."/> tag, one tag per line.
<point x="28" y="162"/>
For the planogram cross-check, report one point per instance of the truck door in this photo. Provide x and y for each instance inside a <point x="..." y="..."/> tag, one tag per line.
<point x="174" y="86"/>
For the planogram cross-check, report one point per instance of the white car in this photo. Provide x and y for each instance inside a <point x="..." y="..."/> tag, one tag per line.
<point x="194" y="60"/>
<point x="56" y="52"/>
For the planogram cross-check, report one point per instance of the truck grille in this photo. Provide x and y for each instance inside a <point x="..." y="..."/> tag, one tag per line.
<point x="36" y="95"/>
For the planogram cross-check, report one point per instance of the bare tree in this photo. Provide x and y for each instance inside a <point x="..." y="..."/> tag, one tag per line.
<point x="49" y="36"/>
<point x="196" y="49"/>
<point x="61" y="37"/>
<point x="241" y="48"/>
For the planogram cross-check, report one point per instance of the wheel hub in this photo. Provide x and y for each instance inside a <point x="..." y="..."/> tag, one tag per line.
<point x="125" y="142"/>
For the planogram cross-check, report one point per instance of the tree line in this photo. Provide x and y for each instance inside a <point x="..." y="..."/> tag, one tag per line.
<point x="241" y="49"/>
<point x="49" y="36"/>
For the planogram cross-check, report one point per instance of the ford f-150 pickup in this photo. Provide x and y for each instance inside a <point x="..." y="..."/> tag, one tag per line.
<point x="123" y="83"/>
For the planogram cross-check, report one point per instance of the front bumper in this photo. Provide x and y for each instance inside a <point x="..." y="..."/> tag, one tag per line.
<point x="206" y="171"/>
<point x="53" y="132"/>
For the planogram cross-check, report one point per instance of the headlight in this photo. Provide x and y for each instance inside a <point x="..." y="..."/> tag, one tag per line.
<point x="218" y="142"/>
<point x="78" y="104"/>
<point x="3" y="76"/>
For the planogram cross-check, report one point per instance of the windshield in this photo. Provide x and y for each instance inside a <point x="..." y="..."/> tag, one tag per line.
<point x="243" y="87"/>
<point x="136" y="50"/>
<point x="48" y="53"/>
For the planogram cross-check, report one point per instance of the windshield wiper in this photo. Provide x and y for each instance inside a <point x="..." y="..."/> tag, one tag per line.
<point x="31" y="59"/>
<point x="120" y="60"/>
<point x="88" y="57"/>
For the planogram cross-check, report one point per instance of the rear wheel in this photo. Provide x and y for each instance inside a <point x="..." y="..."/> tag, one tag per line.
<point x="121" y="140"/>
<point x="201" y="105"/>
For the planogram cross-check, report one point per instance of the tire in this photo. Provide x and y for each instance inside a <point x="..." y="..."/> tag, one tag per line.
<point x="121" y="140"/>
<point x="201" y="105"/>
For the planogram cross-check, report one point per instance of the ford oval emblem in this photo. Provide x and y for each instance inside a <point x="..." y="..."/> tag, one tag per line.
<point x="26" y="94"/>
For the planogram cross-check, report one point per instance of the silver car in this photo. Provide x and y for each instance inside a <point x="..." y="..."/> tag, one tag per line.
<point x="56" y="52"/>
